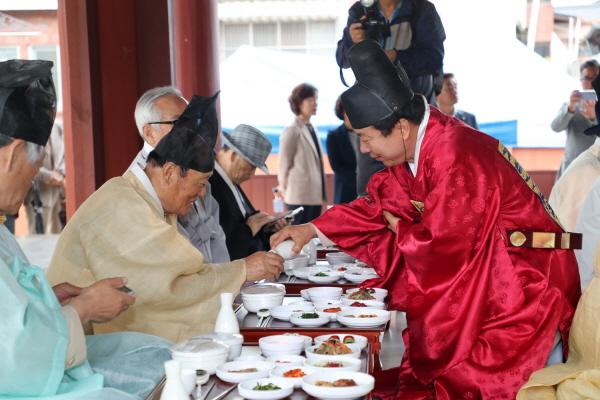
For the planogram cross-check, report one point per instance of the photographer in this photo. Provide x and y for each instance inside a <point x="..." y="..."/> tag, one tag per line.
<point x="410" y="31"/>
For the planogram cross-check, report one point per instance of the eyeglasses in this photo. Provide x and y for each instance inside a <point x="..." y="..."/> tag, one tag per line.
<point x="164" y="122"/>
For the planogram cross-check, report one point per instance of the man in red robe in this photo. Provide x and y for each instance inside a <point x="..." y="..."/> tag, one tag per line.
<point x="461" y="237"/>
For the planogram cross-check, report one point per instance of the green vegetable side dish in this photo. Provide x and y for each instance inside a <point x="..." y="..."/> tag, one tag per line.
<point x="321" y="274"/>
<point x="309" y="315"/>
<point x="268" y="386"/>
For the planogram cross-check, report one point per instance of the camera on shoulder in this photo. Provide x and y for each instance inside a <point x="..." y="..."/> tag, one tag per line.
<point x="374" y="24"/>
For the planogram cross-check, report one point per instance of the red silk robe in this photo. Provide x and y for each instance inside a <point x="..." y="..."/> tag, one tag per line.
<point x="482" y="316"/>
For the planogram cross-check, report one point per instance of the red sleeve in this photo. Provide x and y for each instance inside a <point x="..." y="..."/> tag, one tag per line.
<point x="359" y="229"/>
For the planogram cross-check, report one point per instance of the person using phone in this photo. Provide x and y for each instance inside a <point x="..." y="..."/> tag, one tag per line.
<point x="577" y="115"/>
<point x="247" y="230"/>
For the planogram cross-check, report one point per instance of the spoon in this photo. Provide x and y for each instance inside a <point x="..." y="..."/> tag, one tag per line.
<point x="262" y="313"/>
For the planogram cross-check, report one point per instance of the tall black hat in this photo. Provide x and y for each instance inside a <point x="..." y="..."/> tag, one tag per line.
<point x="191" y="142"/>
<point x="381" y="87"/>
<point x="27" y="100"/>
<point x="595" y="130"/>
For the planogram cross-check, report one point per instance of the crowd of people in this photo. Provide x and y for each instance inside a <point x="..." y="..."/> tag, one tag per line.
<point x="488" y="272"/>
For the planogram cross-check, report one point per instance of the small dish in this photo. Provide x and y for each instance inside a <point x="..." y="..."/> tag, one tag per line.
<point x="338" y="258"/>
<point x="335" y="364"/>
<point x="239" y="371"/>
<point x="297" y="372"/>
<point x="367" y="318"/>
<point x="287" y="360"/>
<point x="313" y="385"/>
<point x="362" y="303"/>
<point x="359" y="341"/>
<point x="316" y="319"/>
<point x="311" y="355"/>
<point x="328" y="276"/>
<point x="379" y="293"/>
<point x="331" y="311"/>
<point x="247" y="389"/>
<point x="357" y="276"/>
<point x="284" y="312"/>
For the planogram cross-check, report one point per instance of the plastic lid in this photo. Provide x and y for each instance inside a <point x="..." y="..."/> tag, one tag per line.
<point x="195" y="347"/>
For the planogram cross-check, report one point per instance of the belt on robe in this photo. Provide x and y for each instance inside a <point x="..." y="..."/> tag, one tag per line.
<point x="544" y="240"/>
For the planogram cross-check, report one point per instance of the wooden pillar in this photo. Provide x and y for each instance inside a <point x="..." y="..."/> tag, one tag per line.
<point x="111" y="52"/>
<point x="196" y="56"/>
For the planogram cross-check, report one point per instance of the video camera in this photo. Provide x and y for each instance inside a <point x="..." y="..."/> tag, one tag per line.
<point x="375" y="25"/>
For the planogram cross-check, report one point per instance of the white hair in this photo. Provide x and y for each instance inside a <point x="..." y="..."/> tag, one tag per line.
<point x="145" y="111"/>
<point x="34" y="150"/>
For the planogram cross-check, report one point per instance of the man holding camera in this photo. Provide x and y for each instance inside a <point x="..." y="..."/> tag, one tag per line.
<point x="410" y="31"/>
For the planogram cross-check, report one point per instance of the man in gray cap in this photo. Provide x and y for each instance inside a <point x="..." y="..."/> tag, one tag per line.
<point x="246" y="229"/>
<point x="44" y="350"/>
<point x="129" y="226"/>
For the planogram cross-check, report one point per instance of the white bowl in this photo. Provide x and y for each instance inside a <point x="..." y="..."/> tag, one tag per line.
<point x="253" y="304"/>
<point x="348" y="364"/>
<point x="284" y="249"/>
<point x="381" y="317"/>
<point x="338" y="258"/>
<point x="332" y="314"/>
<point x="379" y="294"/>
<point x="263" y="290"/>
<point x="278" y="372"/>
<point x="226" y="372"/>
<point x="364" y="384"/>
<point x="296" y="319"/>
<point x="311" y="355"/>
<point x="245" y="389"/>
<point x="284" y="312"/>
<point x="233" y="341"/>
<point x="287" y="360"/>
<point x="358" y="276"/>
<point x="304" y="272"/>
<point x="281" y="344"/>
<point x="304" y="294"/>
<point x="200" y="353"/>
<point x="325" y="292"/>
<point x="329" y="276"/>
<point x="367" y="303"/>
<point x="308" y="341"/>
<point x="359" y="341"/>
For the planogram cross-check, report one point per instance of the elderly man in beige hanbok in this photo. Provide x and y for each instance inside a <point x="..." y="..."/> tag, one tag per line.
<point x="579" y="377"/>
<point x="128" y="227"/>
<point x="574" y="185"/>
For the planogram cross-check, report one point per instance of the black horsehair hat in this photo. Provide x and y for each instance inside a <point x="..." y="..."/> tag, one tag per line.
<point x="381" y="88"/>
<point x="191" y="142"/>
<point x="595" y="130"/>
<point x="27" y="100"/>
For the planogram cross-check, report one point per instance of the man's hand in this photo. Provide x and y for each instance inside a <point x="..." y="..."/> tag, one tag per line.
<point x="102" y="301"/>
<point x="391" y="220"/>
<point x="392" y="54"/>
<point x="300" y="234"/>
<point x="574" y="99"/>
<point x="263" y="265"/>
<point x="257" y="221"/>
<point x="588" y="109"/>
<point x="56" y="179"/>
<point x="65" y="292"/>
<point x="357" y="32"/>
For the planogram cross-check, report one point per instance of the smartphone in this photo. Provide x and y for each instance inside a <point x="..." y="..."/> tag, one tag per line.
<point x="127" y="290"/>
<point x="289" y="215"/>
<point x="588" y="95"/>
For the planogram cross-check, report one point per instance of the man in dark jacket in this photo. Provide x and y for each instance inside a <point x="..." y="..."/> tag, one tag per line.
<point x="415" y="41"/>
<point x="342" y="158"/>
<point x="247" y="230"/>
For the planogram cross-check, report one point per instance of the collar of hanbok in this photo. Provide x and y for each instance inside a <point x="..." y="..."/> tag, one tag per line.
<point x="420" y="135"/>
<point x="143" y="178"/>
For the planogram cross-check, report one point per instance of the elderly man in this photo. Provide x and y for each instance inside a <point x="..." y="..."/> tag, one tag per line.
<point x="129" y="226"/>
<point x="44" y="351"/>
<point x="448" y="98"/>
<point x="460" y="236"/>
<point x="577" y="115"/>
<point x="247" y="230"/>
<point x="155" y="113"/>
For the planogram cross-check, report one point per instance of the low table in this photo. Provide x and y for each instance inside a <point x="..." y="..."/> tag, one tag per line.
<point x="253" y="331"/>
<point x="219" y="388"/>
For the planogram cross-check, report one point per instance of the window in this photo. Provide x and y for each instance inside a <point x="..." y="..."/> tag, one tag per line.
<point x="315" y="37"/>
<point x="50" y="53"/>
<point x="8" y="53"/>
